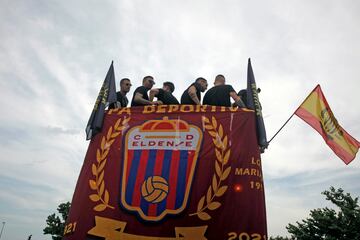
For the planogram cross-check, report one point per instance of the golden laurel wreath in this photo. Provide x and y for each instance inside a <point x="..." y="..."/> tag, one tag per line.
<point x="221" y="171"/>
<point x="98" y="184"/>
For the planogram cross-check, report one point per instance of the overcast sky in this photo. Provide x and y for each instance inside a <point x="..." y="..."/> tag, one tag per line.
<point x="54" y="56"/>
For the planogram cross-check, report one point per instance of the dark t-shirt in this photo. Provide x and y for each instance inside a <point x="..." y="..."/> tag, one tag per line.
<point x="218" y="96"/>
<point x="143" y="91"/>
<point x="185" y="97"/>
<point x="122" y="101"/>
<point x="166" y="97"/>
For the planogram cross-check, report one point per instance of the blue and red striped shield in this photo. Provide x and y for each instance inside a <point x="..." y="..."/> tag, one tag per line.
<point x="159" y="164"/>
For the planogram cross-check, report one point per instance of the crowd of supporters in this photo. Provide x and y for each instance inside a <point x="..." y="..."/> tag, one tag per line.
<point x="219" y="95"/>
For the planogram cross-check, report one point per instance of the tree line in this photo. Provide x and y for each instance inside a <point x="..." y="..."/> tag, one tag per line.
<point x="322" y="223"/>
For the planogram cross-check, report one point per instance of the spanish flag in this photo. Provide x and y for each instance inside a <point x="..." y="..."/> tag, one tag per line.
<point x="316" y="112"/>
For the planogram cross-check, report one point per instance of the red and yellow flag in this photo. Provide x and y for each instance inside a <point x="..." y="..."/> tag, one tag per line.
<point x="316" y="112"/>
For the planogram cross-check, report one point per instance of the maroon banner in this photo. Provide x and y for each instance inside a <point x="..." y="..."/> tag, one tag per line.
<point x="171" y="172"/>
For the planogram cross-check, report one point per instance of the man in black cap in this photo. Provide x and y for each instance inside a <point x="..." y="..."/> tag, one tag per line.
<point x="164" y="94"/>
<point x="220" y="94"/>
<point x="192" y="95"/>
<point x="140" y="97"/>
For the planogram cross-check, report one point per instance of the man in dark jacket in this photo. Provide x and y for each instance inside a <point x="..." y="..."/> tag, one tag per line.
<point x="192" y="95"/>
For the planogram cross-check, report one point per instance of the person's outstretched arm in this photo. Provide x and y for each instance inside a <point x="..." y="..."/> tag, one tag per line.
<point x="237" y="99"/>
<point x="153" y="93"/>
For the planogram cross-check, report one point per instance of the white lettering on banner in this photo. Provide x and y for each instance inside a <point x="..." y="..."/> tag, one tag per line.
<point x="164" y="140"/>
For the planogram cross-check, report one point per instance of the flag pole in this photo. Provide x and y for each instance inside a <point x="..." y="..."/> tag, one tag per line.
<point x="281" y="127"/>
<point x="292" y="114"/>
<point x="3" y="225"/>
<point x="287" y="121"/>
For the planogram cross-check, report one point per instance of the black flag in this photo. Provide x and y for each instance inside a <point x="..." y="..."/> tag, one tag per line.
<point x="107" y="95"/>
<point x="253" y="103"/>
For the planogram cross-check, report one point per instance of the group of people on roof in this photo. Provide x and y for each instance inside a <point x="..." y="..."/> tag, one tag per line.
<point x="219" y="95"/>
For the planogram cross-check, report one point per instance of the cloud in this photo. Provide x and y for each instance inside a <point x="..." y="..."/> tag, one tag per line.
<point x="60" y="130"/>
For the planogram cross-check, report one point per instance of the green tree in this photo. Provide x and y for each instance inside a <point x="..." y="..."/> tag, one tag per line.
<point x="280" y="238"/>
<point x="329" y="224"/>
<point x="55" y="224"/>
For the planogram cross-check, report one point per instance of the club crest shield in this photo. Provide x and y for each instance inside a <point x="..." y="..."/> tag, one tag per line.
<point x="160" y="158"/>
